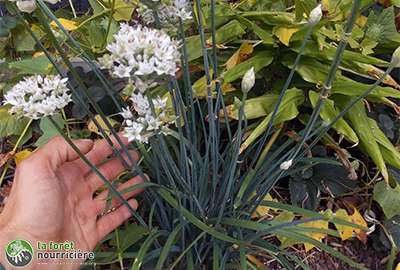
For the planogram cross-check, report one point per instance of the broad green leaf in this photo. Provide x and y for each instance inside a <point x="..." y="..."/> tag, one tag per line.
<point x="287" y="111"/>
<point x="304" y="7"/>
<point x="48" y="129"/>
<point x="382" y="27"/>
<point x="123" y="10"/>
<point x="316" y="72"/>
<point x="328" y="53"/>
<point x="224" y="34"/>
<point x="271" y="17"/>
<point x="261" y="32"/>
<point x="258" y="61"/>
<point x="228" y="32"/>
<point x="23" y="41"/>
<point x="388" y="198"/>
<point x="7" y="23"/>
<point x="96" y="6"/>
<point x="389" y="151"/>
<point x="329" y="112"/>
<point x="36" y="65"/>
<point x="11" y="124"/>
<point x="361" y="125"/>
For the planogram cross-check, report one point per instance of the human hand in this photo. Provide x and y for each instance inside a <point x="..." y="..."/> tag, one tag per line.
<point x="52" y="198"/>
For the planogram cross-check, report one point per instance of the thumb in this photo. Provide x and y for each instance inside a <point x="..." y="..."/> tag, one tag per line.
<point x="57" y="151"/>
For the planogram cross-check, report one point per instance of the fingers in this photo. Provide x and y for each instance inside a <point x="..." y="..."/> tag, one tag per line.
<point x="101" y="150"/>
<point x="110" y="170"/>
<point x="57" y="151"/>
<point x="111" y="221"/>
<point x="101" y="199"/>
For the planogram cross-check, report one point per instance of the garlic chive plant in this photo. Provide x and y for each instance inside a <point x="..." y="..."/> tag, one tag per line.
<point x="200" y="204"/>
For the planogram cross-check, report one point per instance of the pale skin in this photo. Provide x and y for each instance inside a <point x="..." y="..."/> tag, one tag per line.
<point x="55" y="197"/>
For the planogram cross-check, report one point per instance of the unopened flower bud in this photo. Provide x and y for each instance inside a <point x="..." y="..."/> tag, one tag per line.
<point x="315" y="15"/>
<point x="286" y="165"/>
<point x="27" y="5"/>
<point x="396" y="58"/>
<point x="249" y="79"/>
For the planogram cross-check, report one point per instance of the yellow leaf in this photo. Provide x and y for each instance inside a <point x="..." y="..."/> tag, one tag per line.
<point x="285" y="217"/>
<point x="398" y="267"/>
<point x="362" y="21"/>
<point x="285" y="33"/>
<point x="347" y="232"/>
<point x="67" y="24"/>
<point x="37" y="54"/>
<point x="262" y="210"/>
<point x="245" y="50"/>
<point x="93" y="128"/>
<point x="319" y="224"/>
<point x="20" y="156"/>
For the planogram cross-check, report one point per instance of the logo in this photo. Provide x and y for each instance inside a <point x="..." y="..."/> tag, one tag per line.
<point x="19" y="253"/>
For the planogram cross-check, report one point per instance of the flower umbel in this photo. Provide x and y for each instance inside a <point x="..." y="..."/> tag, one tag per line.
<point x="140" y="53"/>
<point x="168" y="13"/>
<point x="36" y="96"/>
<point x="146" y="123"/>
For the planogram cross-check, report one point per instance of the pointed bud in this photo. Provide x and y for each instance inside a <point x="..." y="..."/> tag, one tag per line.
<point x="315" y="15"/>
<point x="249" y="79"/>
<point x="286" y="165"/>
<point x="26" y="5"/>
<point x="52" y="1"/>
<point x="396" y="58"/>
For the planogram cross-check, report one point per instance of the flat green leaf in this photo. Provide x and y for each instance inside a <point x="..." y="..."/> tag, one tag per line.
<point x="328" y="53"/>
<point x="49" y="131"/>
<point x="228" y="32"/>
<point x="97" y="8"/>
<point x="329" y="112"/>
<point x="361" y="125"/>
<point x="224" y="34"/>
<point x="23" y="41"/>
<point x="287" y="111"/>
<point x="264" y="35"/>
<point x="37" y="65"/>
<point x="258" y="61"/>
<point x="7" y="23"/>
<point x="123" y="10"/>
<point x="271" y="17"/>
<point x="388" y="198"/>
<point x="11" y="124"/>
<point x="389" y="151"/>
<point x="316" y="72"/>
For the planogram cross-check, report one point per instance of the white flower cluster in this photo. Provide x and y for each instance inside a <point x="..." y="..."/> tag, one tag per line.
<point x="30" y="5"/>
<point x="146" y="123"/>
<point x="140" y="54"/>
<point x="38" y="96"/>
<point x="168" y="13"/>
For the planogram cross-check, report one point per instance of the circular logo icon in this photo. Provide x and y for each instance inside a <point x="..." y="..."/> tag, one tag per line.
<point x="19" y="253"/>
